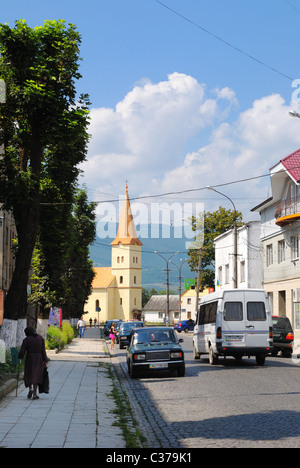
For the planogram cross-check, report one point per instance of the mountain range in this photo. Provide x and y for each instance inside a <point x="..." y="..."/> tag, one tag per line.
<point x="153" y="266"/>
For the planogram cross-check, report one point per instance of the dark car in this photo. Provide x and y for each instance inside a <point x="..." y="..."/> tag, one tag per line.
<point x="125" y="331"/>
<point x="184" y="325"/>
<point x="283" y="336"/>
<point x="155" y="349"/>
<point x="107" y="325"/>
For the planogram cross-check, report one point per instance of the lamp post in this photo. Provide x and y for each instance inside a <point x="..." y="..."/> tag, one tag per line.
<point x="294" y="114"/>
<point x="167" y="260"/>
<point x="182" y="262"/>
<point x="234" y="235"/>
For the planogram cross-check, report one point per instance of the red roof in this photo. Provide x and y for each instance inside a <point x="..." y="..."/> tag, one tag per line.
<point x="292" y="164"/>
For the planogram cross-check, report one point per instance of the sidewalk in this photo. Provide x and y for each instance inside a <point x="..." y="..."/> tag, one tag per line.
<point x="77" y="411"/>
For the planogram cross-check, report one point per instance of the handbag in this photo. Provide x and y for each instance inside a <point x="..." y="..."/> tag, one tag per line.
<point x="45" y="387"/>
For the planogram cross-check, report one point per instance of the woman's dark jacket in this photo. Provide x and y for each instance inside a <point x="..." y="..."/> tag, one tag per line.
<point x="33" y="347"/>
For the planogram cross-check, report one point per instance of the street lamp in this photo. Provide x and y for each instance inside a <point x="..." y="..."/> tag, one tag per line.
<point x="294" y="114"/>
<point x="167" y="260"/>
<point x="234" y="234"/>
<point x="182" y="262"/>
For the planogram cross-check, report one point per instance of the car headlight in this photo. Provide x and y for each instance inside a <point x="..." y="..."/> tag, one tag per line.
<point x="123" y="337"/>
<point x="139" y="357"/>
<point x="177" y="355"/>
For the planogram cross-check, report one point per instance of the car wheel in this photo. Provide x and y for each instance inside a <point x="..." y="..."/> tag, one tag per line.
<point x="132" y="372"/>
<point x="181" y="371"/>
<point x="213" y="358"/>
<point x="186" y="330"/>
<point x="260" y="359"/>
<point x="195" y="354"/>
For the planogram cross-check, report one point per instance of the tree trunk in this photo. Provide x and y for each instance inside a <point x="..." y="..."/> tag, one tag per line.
<point x="27" y="223"/>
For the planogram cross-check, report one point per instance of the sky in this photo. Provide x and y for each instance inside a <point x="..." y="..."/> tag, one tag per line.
<point x="185" y="94"/>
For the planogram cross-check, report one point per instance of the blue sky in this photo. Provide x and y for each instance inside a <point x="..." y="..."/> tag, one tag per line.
<point x="173" y="108"/>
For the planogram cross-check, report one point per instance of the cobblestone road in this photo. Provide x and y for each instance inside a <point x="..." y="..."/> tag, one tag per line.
<point x="228" y="405"/>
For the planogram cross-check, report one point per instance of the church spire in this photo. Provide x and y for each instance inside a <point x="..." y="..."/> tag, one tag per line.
<point x="126" y="232"/>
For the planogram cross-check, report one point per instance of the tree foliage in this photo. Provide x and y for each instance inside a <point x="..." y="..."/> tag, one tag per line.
<point x="43" y="130"/>
<point x="215" y="224"/>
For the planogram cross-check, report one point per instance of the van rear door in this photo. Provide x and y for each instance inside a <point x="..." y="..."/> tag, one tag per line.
<point x="257" y="323"/>
<point x="233" y="326"/>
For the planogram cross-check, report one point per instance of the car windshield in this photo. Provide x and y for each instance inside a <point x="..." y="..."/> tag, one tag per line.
<point x="129" y="326"/>
<point x="281" y="323"/>
<point x="153" y="336"/>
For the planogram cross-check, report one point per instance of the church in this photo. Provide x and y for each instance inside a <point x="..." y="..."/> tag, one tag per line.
<point x="117" y="290"/>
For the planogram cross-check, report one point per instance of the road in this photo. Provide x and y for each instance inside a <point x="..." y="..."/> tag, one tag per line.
<point x="228" y="405"/>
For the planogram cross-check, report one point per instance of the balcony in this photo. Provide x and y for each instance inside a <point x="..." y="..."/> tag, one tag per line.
<point x="287" y="211"/>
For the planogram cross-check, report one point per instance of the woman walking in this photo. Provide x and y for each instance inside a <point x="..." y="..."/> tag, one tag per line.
<point x="112" y="335"/>
<point x="33" y="347"/>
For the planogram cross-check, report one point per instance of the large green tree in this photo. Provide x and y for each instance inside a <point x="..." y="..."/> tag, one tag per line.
<point x="42" y="125"/>
<point x="215" y="224"/>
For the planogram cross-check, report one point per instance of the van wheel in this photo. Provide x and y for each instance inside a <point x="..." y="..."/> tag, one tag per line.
<point x="195" y="354"/>
<point x="213" y="358"/>
<point x="260" y="359"/>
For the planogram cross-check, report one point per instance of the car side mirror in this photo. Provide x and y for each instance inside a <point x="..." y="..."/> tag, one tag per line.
<point x="181" y="340"/>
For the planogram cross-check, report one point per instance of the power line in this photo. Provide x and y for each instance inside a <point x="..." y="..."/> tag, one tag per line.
<point x="237" y="49"/>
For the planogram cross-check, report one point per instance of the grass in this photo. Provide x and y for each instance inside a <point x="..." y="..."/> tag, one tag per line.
<point x="126" y="421"/>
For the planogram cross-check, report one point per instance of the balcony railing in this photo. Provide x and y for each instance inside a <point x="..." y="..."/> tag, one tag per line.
<point x="288" y="207"/>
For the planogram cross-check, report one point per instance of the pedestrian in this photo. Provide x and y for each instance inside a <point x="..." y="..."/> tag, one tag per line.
<point x="95" y="323"/>
<point x="112" y="336"/>
<point x="91" y="322"/>
<point x="33" y="347"/>
<point x="81" y="326"/>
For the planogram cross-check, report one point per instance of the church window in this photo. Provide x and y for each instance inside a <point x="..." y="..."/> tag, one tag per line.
<point x="122" y="259"/>
<point x="118" y="260"/>
<point x="121" y="279"/>
<point x="121" y="301"/>
<point x="134" y="279"/>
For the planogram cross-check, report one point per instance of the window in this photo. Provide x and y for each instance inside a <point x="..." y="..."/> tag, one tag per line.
<point x="269" y="255"/>
<point x="242" y="272"/>
<point x="220" y="276"/>
<point x="233" y="311"/>
<point x="121" y="301"/>
<point x="295" y="247"/>
<point x="189" y="301"/>
<point x="227" y="274"/>
<point x="134" y="279"/>
<point x="208" y="313"/>
<point x="256" y="311"/>
<point x="122" y="259"/>
<point x="118" y="259"/>
<point x="281" y="251"/>
<point x="121" y="279"/>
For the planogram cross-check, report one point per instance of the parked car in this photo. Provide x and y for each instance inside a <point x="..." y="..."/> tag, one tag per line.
<point x="155" y="349"/>
<point x="283" y="336"/>
<point x="107" y="325"/>
<point x="118" y="326"/>
<point x="125" y="331"/>
<point x="184" y="325"/>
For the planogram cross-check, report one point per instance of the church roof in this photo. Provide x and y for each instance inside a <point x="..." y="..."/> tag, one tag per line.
<point x="126" y="232"/>
<point x="103" y="277"/>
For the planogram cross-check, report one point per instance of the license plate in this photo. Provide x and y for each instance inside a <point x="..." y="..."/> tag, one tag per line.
<point x="158" y="366"/>
<point x="234" y="338"/>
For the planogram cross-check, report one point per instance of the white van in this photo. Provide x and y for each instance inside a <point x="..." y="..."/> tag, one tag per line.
<point x="234" y="323"/>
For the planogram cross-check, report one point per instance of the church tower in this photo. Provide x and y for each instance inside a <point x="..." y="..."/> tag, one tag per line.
<point x="126" y="265"/>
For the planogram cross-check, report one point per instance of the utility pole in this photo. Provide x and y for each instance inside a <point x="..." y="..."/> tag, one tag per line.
<point x="198" y="280"/>
<point x="167" y="260"/>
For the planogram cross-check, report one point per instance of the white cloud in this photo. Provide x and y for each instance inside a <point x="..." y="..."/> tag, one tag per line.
<point x="146" y="134"/>
<point x="145" y="139"/>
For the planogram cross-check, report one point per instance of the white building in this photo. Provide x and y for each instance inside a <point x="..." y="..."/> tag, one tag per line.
<point x="280" y="221"/>
<point x="249" y="270"/>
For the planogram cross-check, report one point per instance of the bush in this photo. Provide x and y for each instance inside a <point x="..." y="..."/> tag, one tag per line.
<point x="55" y="338"/>
<point x="68" y="331"/>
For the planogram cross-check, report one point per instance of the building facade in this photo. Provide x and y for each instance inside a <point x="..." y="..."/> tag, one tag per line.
<point x="249" y="270"/>
<point x="280" y="221"/>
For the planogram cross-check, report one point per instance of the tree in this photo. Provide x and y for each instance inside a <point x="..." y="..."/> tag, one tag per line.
<point x="41" y="124"/>
<point x="62" y="270"/>
<point x="215" y="224"/>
